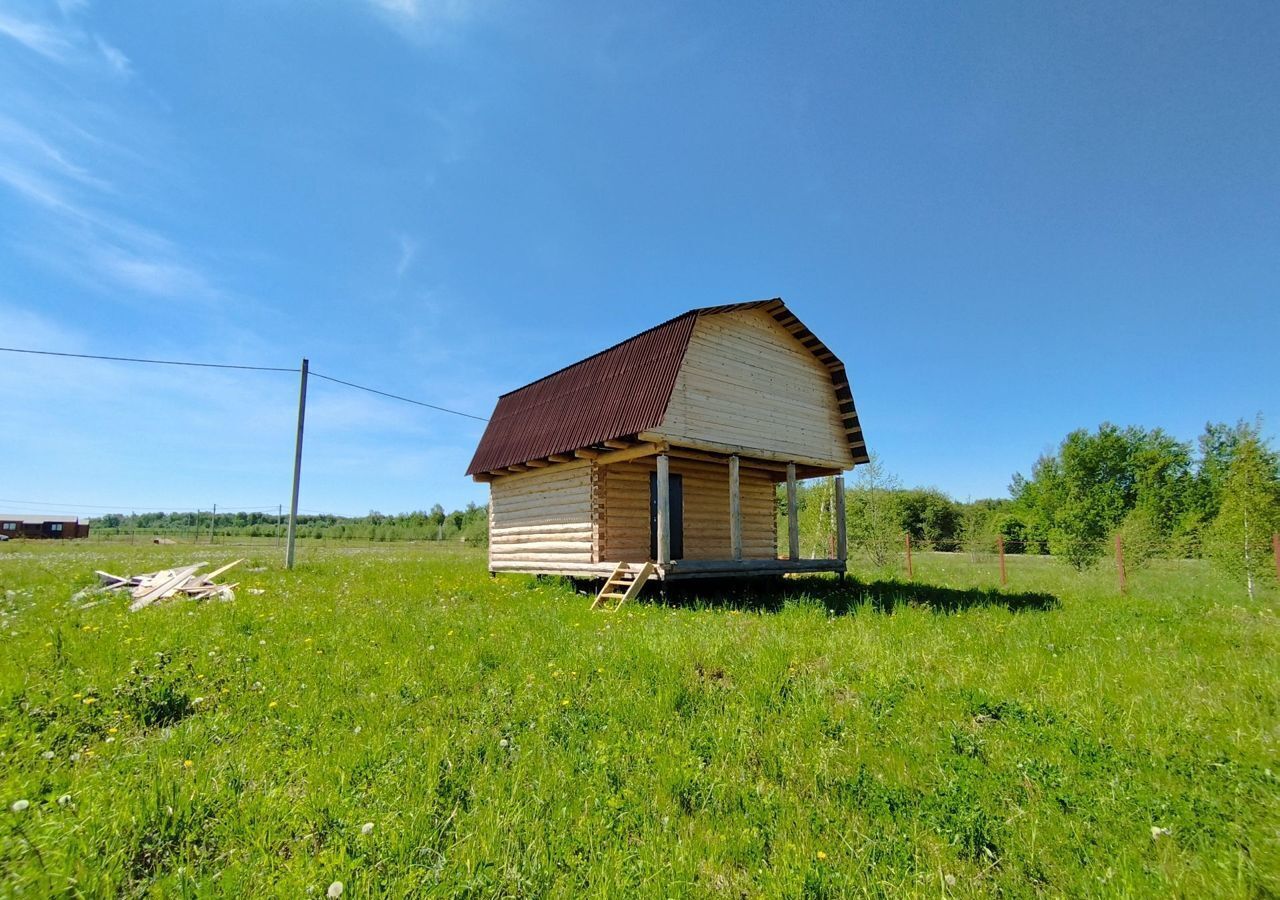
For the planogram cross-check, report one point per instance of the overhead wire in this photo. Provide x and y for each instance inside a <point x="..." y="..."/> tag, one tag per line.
<point x="154" y="362"/>
<point x="361" y="387"/>
<point x="203" y="365"/>
<point x="146" y="507"/>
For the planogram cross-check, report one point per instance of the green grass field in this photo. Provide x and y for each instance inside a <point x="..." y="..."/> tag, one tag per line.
<point x="940" y="739"/>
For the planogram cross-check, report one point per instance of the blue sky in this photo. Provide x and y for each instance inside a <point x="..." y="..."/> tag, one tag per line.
<point x="1009" y="219"/>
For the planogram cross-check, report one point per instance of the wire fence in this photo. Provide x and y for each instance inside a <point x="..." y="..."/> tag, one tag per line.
<point x="1002" y="560"/>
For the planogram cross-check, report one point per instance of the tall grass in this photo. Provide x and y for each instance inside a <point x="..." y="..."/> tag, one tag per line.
<point x="871" y="738"/>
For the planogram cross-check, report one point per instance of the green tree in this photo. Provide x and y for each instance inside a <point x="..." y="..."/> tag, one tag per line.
<point x="874" y="513"/>
<point x="815" y="516"/>
<point x="1079" y="496"/>
<point x="930" y="517"/>
<point x="1140" y="538"/>
<point x="1239" y="540"/>
<point x="977" y="528"/>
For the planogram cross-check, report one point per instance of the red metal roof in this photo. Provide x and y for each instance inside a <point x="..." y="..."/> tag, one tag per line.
<point x="622" y="391"/>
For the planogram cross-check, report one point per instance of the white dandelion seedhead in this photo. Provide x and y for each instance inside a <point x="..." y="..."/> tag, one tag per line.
<point x="366" y="828"/>
<point x="19" y="806"/>
<point x="335" y="891"/>
<point x="64" y="799"/>
<point x="1157" y="832"/>
<point x="48" y="754"/>
<point x="504" y="743"/>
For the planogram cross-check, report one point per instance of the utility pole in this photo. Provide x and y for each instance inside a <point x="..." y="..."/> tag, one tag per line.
<point x="279" y="516"/>
<point x="297" y="466"/>
<point x="213" y="518"/>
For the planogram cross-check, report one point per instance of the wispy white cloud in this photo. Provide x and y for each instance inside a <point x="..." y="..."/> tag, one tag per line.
<point x="408" y="253"/>
<point x="65" y="41"/>
<point x="151" y="275"/>
<point x="82" y="239"/>
<point x="17" y="138"/>
<point x="427" y="19"/>
<point x="47" y="40"/>
<point x="81" y="187"/>
<point x="407" y="8"/>
<point x="68" y="7"/>
<point x="115" y="57"/>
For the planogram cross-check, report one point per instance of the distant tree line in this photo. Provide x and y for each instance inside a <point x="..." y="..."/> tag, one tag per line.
<point x="470" y="524"/>
<point x="1218" y="498"/>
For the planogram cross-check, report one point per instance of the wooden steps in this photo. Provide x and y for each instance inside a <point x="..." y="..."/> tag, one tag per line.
<point x="624" y="584"/>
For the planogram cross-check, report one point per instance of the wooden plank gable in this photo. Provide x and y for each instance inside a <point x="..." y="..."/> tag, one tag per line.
<point x="747" y="381"/>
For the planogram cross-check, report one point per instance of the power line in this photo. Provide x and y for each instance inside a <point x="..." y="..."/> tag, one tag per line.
<point x="175" y="362"/>
<point x="156" y="362"/>
<point x="36" y="504"/>
<point x="361" y="387"/>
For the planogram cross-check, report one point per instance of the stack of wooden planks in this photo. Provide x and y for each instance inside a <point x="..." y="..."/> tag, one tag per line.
<point x="152" y="586"/>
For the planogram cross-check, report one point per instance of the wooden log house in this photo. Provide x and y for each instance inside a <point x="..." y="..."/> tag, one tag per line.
<point x="658" y="457"/>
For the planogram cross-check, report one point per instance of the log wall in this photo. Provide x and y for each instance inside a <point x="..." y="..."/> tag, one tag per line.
<point x="624" y="511"/>
<point x="544" y="516"/>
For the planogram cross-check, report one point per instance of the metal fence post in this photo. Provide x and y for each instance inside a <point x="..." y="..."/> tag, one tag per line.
<point x="1120" y="563"/>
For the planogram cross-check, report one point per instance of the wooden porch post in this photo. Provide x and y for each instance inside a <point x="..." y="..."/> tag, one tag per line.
<point x="842" y="536"/>
<point x="664" y="509"/>
<point x="735" y="509"/>
<point x="793" y="527"/>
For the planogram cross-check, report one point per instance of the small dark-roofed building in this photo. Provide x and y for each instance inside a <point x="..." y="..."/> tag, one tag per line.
<point x="50" y="527"/>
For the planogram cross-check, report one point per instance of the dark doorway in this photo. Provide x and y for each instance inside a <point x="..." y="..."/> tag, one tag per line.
<point x="675" y="491"/>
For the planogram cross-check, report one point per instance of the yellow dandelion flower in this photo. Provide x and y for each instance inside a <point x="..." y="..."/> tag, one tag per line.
<point x="188" y="764"/>
<point x="564" y="702"/>
<point x="271" y="705"/>
<point x="89" y="701"/>
<point x="821" y="855"/>
<point x="112" y="730"/>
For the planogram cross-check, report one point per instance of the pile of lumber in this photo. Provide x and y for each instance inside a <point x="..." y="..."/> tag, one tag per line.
<point x="152" y="586"/>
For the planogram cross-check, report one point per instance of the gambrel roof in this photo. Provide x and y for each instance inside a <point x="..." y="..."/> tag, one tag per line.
<point x="625" y="390"/>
